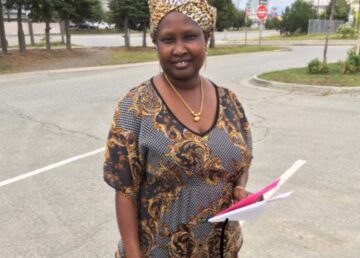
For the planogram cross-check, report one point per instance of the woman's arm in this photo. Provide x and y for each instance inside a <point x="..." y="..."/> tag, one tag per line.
<point x="126" y="213"/>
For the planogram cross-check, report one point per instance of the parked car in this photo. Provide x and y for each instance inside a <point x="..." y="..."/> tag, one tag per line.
<point x="86" y="25"/>
<point x="104" y="25"/>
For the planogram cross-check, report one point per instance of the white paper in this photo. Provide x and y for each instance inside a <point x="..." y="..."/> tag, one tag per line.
<point x="250" y="212"/>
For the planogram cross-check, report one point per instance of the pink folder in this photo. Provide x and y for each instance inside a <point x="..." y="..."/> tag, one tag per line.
<point x="252" y="198"/>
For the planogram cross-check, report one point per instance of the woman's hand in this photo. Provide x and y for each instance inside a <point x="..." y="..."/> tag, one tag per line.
<point x="240" y="193"/>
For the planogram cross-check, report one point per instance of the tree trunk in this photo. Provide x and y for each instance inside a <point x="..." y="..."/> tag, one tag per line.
<point x="61" y="24"/>
<point x="144" y="36"/>
<point x="31" y="32"/>
<point x="126" y="36"/>
<point x="358" y="42"/>
<point x="21" y="36"/>
<point x="212" y="40"/>
<point x="67" y="33"/>
<point x="3" y="42"/>
<point x="333" y="2"/>
<point x="47" y="35"/>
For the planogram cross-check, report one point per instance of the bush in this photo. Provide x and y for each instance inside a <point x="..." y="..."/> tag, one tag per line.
<point x="347" y="67"/>
<point x="317" y="67"/>
<point x="346" y="30"/>
<point x="352" y="63"/>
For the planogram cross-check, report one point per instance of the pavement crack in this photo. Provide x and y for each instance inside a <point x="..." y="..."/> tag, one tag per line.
<point x="54" y="127"/>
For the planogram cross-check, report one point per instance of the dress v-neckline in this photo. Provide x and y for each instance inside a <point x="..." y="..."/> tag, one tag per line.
<point x="208" y="131"/>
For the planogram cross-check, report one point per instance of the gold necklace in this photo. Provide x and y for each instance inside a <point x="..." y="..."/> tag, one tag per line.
<point x="196" y="116"/>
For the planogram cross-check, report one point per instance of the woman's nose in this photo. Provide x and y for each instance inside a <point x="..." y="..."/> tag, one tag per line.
<point x="179" y="48"/>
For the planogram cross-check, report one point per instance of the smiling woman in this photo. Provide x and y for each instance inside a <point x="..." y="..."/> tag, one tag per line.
<point x="178" y="146"/>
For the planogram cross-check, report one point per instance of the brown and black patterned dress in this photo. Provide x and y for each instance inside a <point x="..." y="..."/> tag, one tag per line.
<point x="178" y="178"/>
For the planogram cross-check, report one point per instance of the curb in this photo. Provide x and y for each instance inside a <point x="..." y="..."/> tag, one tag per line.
<point x="255" y="80"/>
<point x="71" y="70"/>
<point x="9" y="76"/>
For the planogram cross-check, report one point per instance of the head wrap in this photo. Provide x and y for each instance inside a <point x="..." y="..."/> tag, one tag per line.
<point x="198" y="10"/>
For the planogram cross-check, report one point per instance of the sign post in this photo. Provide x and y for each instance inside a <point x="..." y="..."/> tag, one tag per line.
<point x="261" y="13"/>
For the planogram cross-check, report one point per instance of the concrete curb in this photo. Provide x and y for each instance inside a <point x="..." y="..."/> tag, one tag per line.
<point x="255" y="80"/>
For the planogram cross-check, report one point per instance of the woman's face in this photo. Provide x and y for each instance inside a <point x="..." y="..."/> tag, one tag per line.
<point x="181" y="46"/>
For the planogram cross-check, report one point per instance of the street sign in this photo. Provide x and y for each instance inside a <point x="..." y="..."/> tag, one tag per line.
<point x="262" y="12"/>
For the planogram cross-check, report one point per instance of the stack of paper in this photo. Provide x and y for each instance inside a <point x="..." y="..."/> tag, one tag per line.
<point x="250" y="208"/>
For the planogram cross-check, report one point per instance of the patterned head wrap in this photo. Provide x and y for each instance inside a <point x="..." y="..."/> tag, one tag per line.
<point x="198" y="10"/>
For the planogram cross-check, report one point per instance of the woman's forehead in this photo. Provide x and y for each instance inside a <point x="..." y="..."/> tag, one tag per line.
<point x="175" y="21"/>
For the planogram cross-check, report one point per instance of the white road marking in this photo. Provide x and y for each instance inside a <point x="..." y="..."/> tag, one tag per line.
<point x="47" y="168"/>
<point x="283" y="178"/>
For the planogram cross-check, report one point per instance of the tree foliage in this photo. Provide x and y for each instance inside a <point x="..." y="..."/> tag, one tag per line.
<point x="296" y="18"/>
<point x="341" y="10"/>
<point x="226" y="13"/>
<point x="273" y="23"/>
<point x="129" y="14"/>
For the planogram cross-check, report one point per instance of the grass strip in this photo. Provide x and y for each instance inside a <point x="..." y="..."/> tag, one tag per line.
<point x="135" y="55"/>
<point x="308" y="37"/>
<point x="301" y="76"/>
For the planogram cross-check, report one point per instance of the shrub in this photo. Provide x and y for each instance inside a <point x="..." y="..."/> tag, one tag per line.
<point x="352" y="63"/>
<point x="317" y="67"/>
<point x="346" y="30"/>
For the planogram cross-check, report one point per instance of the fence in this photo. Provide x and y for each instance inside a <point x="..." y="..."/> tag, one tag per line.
<point x="321" y="26"/>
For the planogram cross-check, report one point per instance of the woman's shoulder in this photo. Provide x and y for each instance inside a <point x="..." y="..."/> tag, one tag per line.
<point x="140" y="90"/>
<point x="225" y="93"/>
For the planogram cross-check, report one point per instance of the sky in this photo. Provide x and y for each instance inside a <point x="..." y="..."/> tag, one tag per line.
<point x="281" y="4"/>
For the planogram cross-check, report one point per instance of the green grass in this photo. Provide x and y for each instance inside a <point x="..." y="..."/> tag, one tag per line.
<point x="94" y="31"/>
<point x="136" y="55"/>
<point x="5" y="68"/>
<point x="308" y="37"/>
<point x="132" y="55"/>
<point x="301" y="76"/>
<point x="227" y="50"/>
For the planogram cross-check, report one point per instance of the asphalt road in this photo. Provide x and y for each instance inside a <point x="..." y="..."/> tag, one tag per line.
<point x="68" y="211"/>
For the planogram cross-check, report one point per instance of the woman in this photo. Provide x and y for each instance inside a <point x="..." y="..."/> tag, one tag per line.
<point x="179" y="147"/>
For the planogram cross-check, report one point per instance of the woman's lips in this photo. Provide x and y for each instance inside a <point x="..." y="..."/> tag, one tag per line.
<point x="182" y="64"/>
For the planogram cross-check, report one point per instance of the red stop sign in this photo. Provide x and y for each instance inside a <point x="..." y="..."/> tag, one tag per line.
<point x="262" y="12"/>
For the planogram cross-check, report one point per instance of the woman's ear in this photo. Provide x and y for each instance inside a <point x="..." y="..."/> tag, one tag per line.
<point x="206" y="37"/>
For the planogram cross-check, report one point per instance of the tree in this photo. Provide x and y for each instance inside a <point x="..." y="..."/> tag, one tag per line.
<point x="296" y="18"/>
<point x="226" y="13"/>
<point x="44" y="10"/>
<point x="142" y="18"/>
<point x="123" y="13"/>
<point x="19" y="5"/>
<point x="273" y="23"/>
<point x="341" y="10"/>
<point x="3" y="42"/>
<point x="239" y="19"/>
<point x="332" y="10"/>
<point x="77" y="11"/>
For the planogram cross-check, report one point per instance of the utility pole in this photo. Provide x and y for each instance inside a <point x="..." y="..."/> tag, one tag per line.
<point x="358" y="42"/>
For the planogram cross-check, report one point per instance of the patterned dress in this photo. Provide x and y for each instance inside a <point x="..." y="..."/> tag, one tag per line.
<point x="178" y="178"/>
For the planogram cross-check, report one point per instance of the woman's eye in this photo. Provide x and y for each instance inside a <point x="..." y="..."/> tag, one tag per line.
<point x="167" y="40"/>
<point x="190" y="37"/>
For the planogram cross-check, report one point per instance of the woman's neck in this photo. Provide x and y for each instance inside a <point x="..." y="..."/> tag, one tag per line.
<point x="186" y="84"/>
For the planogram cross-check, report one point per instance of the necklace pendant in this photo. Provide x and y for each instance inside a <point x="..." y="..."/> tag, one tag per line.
<point x="197" y="118"/>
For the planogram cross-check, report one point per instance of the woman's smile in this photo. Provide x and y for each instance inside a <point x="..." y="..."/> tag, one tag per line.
<point x="182" y="64"/>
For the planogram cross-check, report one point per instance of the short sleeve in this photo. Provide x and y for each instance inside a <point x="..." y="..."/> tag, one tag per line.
<point x="122" y="166"/>
<point x="243" y="124"/>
